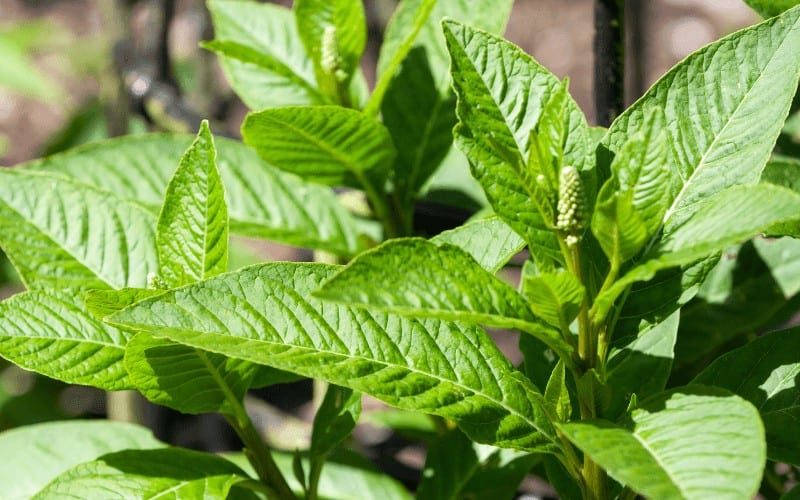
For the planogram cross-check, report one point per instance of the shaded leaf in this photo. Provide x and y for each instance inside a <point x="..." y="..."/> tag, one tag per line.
<point x="765" y="372"/>
<point x="770" y="8"/>
<point x="43" y="451"/>
<point x="490" y="241"/>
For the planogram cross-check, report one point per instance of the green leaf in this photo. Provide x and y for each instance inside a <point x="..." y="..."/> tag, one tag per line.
<point x="632" y="203"/>
<point x="327" y="144"/>
<point x="60" y="233"/>
<point x="167" y="472"/>
<point x="557" y="394"/>
<point x="684" y="444"/>
<point x="640" y="364"/>
<point x="415" y="277"/>
<point x="771" y="8"/>
<point x="782" y="257"/>
<point x="730" y="217"/>
<point x="247" y="59"/>
<point x="782" y="171"/>
<point x="501" y="473"/>
<point x="488" y="240"/>
<point x="264" y="314"/>
<point x="450" y="462"/>
<point x="186" y="379"/>
<point x="43" y="451"/>
<point x="102" y="303"/>
<point x="711" y="102"/>
<point x="420" y="118"/>
<point x="192" y="238"/>
<point x="554" y="297"/>
<point x="335" y="419"/>
<point x="490" y="15"/>
<point x="764" y="372"/>
<point x="269" y="30"/>
<point x="502" y="95"/>
<point x="19" y="74"/>
<point x="262" y="201"/>
<point x="53" y="334"/>
<point x="346" y="17"/>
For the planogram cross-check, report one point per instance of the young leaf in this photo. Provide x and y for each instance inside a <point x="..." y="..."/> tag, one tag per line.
<point x="489" y="241"/>
<point x="52" y="333"/>
<point x="502" y="94"/>
<point x="139" y="168"/>
<point x="43" y="451"/>
<point x="335" y="419"/>
<point x="268" y="30"/>
<point x="62" y="234"/>
<point x="195" y="202"/>
<point x="764" y="372"/>
<point x="186" y="379"/>
<point x="102" y="303"/>
<point x="346" y="27"/>
<point x="730" y="217"/>
<point x="640" y="365"/>
<point x="711" y="101"/>
<point x="172" y="472"/>
<point x="417" y="278"/>
<point x="326" y="144"/>
<point x="691" y="443"/>
<point x="554" y="297"/>
<point x="264" y="314"/>
<point x="556" y="395"/>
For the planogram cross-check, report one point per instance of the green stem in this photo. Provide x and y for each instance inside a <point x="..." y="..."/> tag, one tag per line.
<point x="313" y="478"/>
<point x="380" y="205"/>
<point x="259" y="454"/>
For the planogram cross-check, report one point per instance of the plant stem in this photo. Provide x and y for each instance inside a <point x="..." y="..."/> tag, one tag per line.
<point x="259" y="454"/>
<point x="380" y="205"/>
<point x="609" y="59"/>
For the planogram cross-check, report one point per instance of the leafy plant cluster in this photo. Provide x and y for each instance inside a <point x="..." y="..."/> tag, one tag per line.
<point x="627" y="314"/>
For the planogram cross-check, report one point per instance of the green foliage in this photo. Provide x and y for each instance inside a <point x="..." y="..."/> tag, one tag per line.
<point x="123" y="247"/>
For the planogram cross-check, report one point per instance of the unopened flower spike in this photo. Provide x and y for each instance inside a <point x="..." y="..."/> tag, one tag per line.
<point x="330" y="60"/>
<point x="571" y="205"/>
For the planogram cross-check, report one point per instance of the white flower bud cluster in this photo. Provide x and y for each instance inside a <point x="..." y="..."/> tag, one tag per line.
<point x="571" y="204"/>
<point x="330" y="60"/>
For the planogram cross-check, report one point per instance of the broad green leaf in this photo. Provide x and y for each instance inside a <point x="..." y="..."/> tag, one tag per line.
<point x="640" y="364"/>
<point x="489" y="241"/>
<point x="411" y="425"/>
<point x="502" y="94"/>
<point x="684" y="444"/>
<point x="251" y="60"/>
<point x="269" y="30"/>
<point x="556" y="394"/>
<point x="264" y="314"/>
<point x="43" y="451"/>
<point x="771" y="8"/>
<point x="53" y="334"/>
<point x="161" y="473"/>
<point x="60" y="233"/>
<point x="450" y="462"/>
<point x="345" y="19"/>
<point x="192" y="238"/>
<point x="262" y="201"/>
<point x="335" y="419"/>
<point x="764" y="372"/>
<point x="420" y="118"/>
<point x="782" y="257"/>
<point x="501" y="473"/>
<point x="186" y="379"/>
<point x="711" y="102"/>
<point x="417" y="278"/>
<point x="730" y="217"/>
<point x="490" y="15"/>
<point x="327" y="144"/>
<point x="555" y="297"/>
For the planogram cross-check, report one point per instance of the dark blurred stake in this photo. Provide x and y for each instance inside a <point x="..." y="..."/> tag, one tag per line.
<point x="609" y="54"/>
